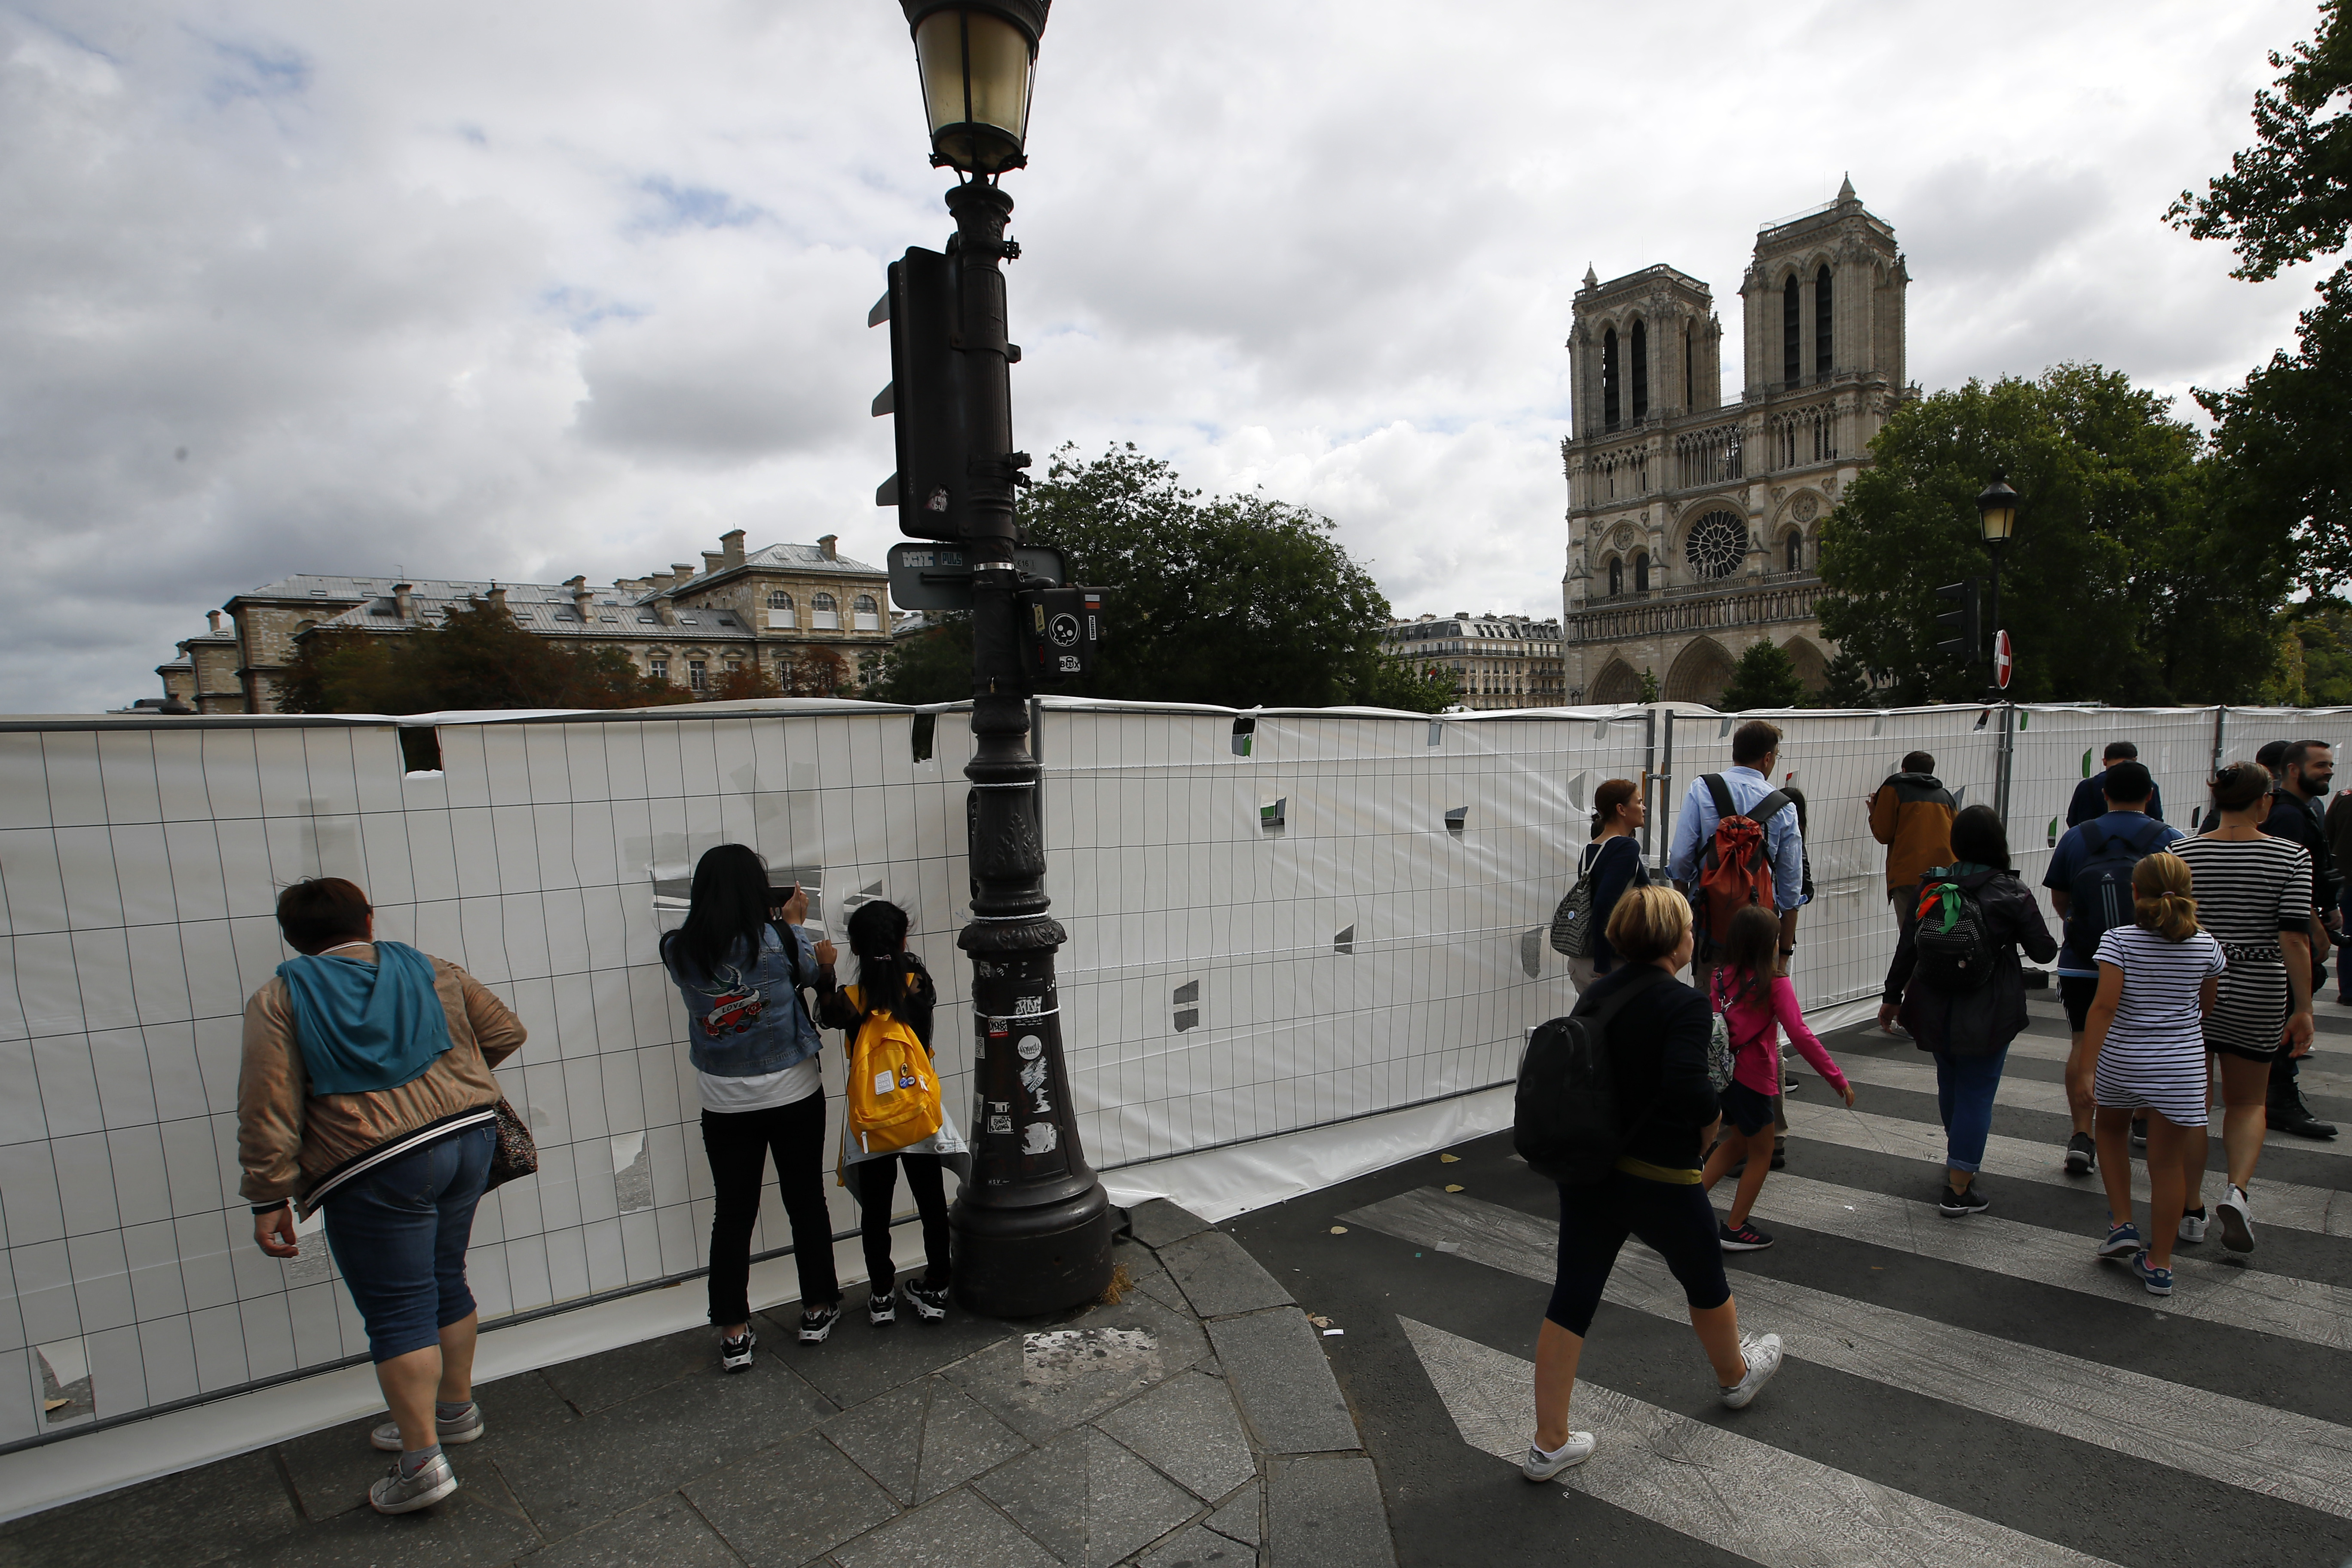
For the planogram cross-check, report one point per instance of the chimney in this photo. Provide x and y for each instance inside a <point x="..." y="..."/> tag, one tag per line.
<point x="679" y="571"/>
<point x="659" y="582"/>
<point x="731" y="546"/>
<point x="666" y="607"/>
<point x="213" y="616"/>
<point x="712" y="560"/>
<point x="498" y="597"/>
<point x="582" y="595"/>
<point x="825" y="543"/>
<point x="401" y="603"/>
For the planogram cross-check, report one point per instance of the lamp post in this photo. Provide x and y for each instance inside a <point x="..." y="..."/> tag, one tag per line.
<point x="1997" y="517"/>
<point x="1032" y="1228"/>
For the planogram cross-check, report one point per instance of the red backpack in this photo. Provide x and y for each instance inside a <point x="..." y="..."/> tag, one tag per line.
<point x="1736" y="869"/>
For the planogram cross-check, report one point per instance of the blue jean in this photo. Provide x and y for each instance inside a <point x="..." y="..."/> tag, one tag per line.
<point x="1964" y="1091"/>
<point x="399" y="1236"/>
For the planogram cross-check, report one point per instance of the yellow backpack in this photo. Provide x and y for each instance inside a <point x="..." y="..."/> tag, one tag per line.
<point x="894" y="1091"/>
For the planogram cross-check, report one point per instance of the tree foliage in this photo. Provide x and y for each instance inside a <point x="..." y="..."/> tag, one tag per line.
<point x="477" y="657"/>
<point x="933" y="664"/>
<point x="1763" y="676"/>
<point x="2123" y="583"/>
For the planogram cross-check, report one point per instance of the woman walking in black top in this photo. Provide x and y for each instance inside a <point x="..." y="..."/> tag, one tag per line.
<point x="1658" y="1056"/>
<point x="1613" y="859"/>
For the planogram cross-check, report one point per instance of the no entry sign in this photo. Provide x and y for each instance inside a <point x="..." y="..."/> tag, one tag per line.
<point x="2001" y="659"/>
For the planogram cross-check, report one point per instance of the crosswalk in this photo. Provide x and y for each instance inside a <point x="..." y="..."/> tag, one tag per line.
<point x="1678" y="1463"/>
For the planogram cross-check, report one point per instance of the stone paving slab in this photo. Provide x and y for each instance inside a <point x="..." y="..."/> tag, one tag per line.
<point x="1219" y="1279"/>
<point x="1239" y="1517"/>
<point x="1274" y="1365"/>
<point x="205" y="1513"/>
<point x="858" y="1361"/>
<point x="1052" y="1379"/>
<point x="1199" y="1547"/>
<point x="667" y="1532"/>
<point x="479" y="1527"/>
<point x="610" y="1377"/>
<point x="791" y="1503"/>
<point x="1325" y="1511"/>
<point x="1088" y="1500"/>
<point x="333" y="1469"/>
<point x="1188" y="1427"/>
<point x="1159" y="1223"/>
<point x="957" y="1530"/>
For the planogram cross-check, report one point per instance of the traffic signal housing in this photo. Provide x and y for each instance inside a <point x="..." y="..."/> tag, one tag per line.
<point x="1061" y="628"/>
<point x="1967" y="638"/>
<point x="925" y="397"/>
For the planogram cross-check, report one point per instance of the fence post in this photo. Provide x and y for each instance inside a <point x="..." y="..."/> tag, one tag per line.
<point x="2221" y="714"/>
<point x="2001" y="767"/>
<point x="1665" y="795"/>
<point x="1649" y="772"/>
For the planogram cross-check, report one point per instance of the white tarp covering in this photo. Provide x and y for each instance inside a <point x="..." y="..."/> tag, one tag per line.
<point x="1337" y="915"/>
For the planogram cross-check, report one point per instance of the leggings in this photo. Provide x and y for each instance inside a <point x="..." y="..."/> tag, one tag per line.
<point x="1673" y="1219"/>
<point x="878" y="1181"/>
<point x="738" y="1142"/>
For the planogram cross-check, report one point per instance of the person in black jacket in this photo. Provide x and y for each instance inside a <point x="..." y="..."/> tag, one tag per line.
<point x="2307" y="771"/>
<point x="1657" y="1057"/>
<point x="1969" y="1032"/>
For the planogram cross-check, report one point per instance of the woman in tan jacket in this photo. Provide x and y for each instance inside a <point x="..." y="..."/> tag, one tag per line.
<point x="365" y="1091"/>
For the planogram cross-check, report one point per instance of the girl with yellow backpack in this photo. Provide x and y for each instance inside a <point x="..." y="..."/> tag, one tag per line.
<point x="895" y="1114"/>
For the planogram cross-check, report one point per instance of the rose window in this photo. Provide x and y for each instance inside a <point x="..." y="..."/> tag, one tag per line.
<point x="1718" y="544"/>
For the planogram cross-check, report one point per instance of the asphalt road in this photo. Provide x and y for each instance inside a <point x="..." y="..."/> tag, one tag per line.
<point x="1976" y="1391"/>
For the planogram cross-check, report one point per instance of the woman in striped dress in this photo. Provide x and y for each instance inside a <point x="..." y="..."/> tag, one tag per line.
<point x="2253" y="894"/>
<point x="2144" y="1048"/>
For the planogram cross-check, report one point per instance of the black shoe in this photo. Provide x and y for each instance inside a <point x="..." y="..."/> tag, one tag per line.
<point x="2139" y="1132"/>
<point x="882" y="1308"/>
<point x="1779" y="1158"/>
<point x="2296" y="1118"/>
<point x="1957" y="1204"/>
<point x="817" y="1322"/>
<point x="929" y="1302"/>
<point x="2082" y="1155"/>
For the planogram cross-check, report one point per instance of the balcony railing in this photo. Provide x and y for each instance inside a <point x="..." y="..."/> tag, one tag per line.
<point x="1699" y="606"/>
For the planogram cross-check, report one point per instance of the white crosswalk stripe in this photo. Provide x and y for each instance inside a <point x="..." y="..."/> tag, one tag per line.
<point x="1792" y="1513"/>
<point x="2275" y="1452"/>
<point x="2321" y="1073"/>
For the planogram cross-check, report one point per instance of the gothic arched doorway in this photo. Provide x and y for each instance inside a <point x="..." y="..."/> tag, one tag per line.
<point x="1700" y="673"/>
<point x="1617" y="683"/>
<point x="1812" y="668"/>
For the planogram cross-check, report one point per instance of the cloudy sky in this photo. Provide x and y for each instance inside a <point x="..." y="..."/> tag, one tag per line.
<point x="530" y="289"/>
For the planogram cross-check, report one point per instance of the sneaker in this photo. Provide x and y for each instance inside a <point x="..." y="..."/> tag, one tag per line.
<point x="2139" y="1132"/>
<point x="2192" y="1224"/>
<point x="2237" y="1218"/>
<point x="462" y="1428"/>
<point x="1779" y="1157"/>
<point x="2158" y="1280"/>
<point x="1539" y="1465"/>
<point x="735" y="1356"/>
<point x="817" y="1321"/>
<point x="1957" y="1204"/>
<point x="2122" y="1241"/>
<point x="1763" y="1357"/>
<point x="1746" y="1238"/>
<point x="432" y="1481"/>
<point x="882" y="1308"/>
<point x="1787" y="1083"/>
<point x="2082" y="1155"/>
<point x="929" y="1302"/>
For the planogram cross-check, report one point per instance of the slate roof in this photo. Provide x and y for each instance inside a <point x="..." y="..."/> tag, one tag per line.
<point x="786" y="557"/>
<point x="550" y="610"/>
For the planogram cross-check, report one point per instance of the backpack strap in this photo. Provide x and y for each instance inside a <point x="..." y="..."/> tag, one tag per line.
<point x="1771" y="806"/>
<point x="1721" y="793"/>
<point x="2146" y="842"/>
<point x="2094" y="837"/>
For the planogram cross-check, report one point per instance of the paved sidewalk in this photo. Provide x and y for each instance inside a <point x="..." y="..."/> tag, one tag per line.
<point x="1195" y="1423"/>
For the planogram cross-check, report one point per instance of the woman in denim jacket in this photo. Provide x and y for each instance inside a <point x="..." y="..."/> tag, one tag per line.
<point x="740" y="960"/>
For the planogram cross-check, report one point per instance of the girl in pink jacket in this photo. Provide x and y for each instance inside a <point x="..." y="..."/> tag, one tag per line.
<point x="1757" y="1001"/>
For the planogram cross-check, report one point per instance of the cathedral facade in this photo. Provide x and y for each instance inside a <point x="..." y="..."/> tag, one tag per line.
<point x="1694" y="527"/>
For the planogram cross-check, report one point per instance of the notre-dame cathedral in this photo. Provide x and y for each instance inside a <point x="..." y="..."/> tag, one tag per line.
<point x="1693" y="528"/>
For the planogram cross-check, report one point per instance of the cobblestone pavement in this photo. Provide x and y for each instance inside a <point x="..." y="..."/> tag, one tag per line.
<point x="1195" y="1423"/>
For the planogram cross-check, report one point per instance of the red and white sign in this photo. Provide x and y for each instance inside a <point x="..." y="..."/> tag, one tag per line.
<point x="2001" y="659"/>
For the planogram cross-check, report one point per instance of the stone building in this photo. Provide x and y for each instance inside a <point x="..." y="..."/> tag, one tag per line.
<point x="688" y="625"/>
<point x="1694" y="528"/>
<point x="1496" y="661"/>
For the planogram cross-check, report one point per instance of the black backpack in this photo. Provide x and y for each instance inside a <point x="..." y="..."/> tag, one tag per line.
<point x="2099" y="897"/>
<point x="1956" y="957"/>
<point x="1565" y="1122"/>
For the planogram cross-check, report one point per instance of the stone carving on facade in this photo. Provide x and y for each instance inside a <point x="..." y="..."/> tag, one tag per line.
<point x="1806" y="508"/>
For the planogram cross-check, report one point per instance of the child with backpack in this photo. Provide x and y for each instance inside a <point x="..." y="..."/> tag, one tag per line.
<point x="1755" y="1002"/>
<point x="1958" y="988"/>
<point x="895" y="1116"/>
<point x="2159" y="977"/>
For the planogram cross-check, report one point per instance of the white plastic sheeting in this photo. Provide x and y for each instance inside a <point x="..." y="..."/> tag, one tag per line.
<point x="1301" y="931"/>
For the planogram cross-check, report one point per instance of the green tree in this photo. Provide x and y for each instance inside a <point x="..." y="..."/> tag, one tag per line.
<point x="2287" y="200"/>
<point x="1764" y="677"/>
<point x="2121" y="585"/>
<point x="477" y="657"/>
<point x="1846" y="683"/>
<point x="1649" y="685"/>
<point x="933" y="664"/>
<point x="1240" y="601"/>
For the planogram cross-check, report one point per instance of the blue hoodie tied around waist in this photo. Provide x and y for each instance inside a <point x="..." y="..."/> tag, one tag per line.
<point x="365" y="1026"/>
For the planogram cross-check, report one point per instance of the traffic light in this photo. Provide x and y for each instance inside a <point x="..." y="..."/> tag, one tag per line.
<point x="1960" y="620"/>
<point x="925" y="397"/>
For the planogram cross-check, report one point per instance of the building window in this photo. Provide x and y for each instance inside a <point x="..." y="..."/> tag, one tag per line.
<point x="661" y="668"/>
<point x="1641" y="347"/>
<point x="825" y="615"/>
<point x="1823" y="362"/>
<point x="1796" y="551"/>
<point x="1792" y="345"/>
<point x="1616" y="576"/>
<point x="779" y="611"/>
<point x="1642" y="572"/>
<point x="1608" y="378"/>
<point x="697" y="674"/>
<point x="1717" y="544"/>
<point x="868" y="614"/>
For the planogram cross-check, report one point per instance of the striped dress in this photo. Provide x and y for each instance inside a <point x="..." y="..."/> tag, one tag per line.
<point x="2246" y="895"/>
<point x="2155" y="1051"/>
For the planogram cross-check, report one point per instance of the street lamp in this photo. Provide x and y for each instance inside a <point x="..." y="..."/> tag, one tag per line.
<point x="1997" y="517"/>
<point x="1031" y="1228"/>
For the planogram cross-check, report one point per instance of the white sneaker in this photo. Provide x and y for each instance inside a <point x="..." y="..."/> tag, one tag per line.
<point x="1763" y="1355"/>
<point x="463" y="1428"/>
<point x="1539" y="1465"/>
<point x="2237" y="1219"/>
<point x="406" y="1494"/>
<point x="2193" y="1225"/>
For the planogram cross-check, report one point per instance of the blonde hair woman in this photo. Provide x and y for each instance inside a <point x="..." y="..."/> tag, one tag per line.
<point x="2144" y="1050"/>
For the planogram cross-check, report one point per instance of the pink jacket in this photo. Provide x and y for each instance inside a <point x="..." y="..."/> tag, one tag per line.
<point x="1756" y="1022"/>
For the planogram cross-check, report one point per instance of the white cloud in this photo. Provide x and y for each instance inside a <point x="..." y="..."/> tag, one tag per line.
<point x="534" y="289"/>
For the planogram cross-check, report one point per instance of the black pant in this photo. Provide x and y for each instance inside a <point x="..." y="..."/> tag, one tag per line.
<point x="1673" y="1219"/>
<point x="878" y="1182"/>
<point x="737" y="1142"/>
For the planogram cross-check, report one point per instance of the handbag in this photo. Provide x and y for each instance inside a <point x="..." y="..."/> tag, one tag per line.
<point x="1722" y="1059"/>
<point x="515" y="1153"/>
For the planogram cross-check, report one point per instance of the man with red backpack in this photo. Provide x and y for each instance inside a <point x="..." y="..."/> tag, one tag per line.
<point x="1738" y="842"/>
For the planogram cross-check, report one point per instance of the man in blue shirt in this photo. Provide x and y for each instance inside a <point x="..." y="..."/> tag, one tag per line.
<point x="2091" y="795"/>
<point x="1755" y="755"/>
<point x="2127" y="788"/>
